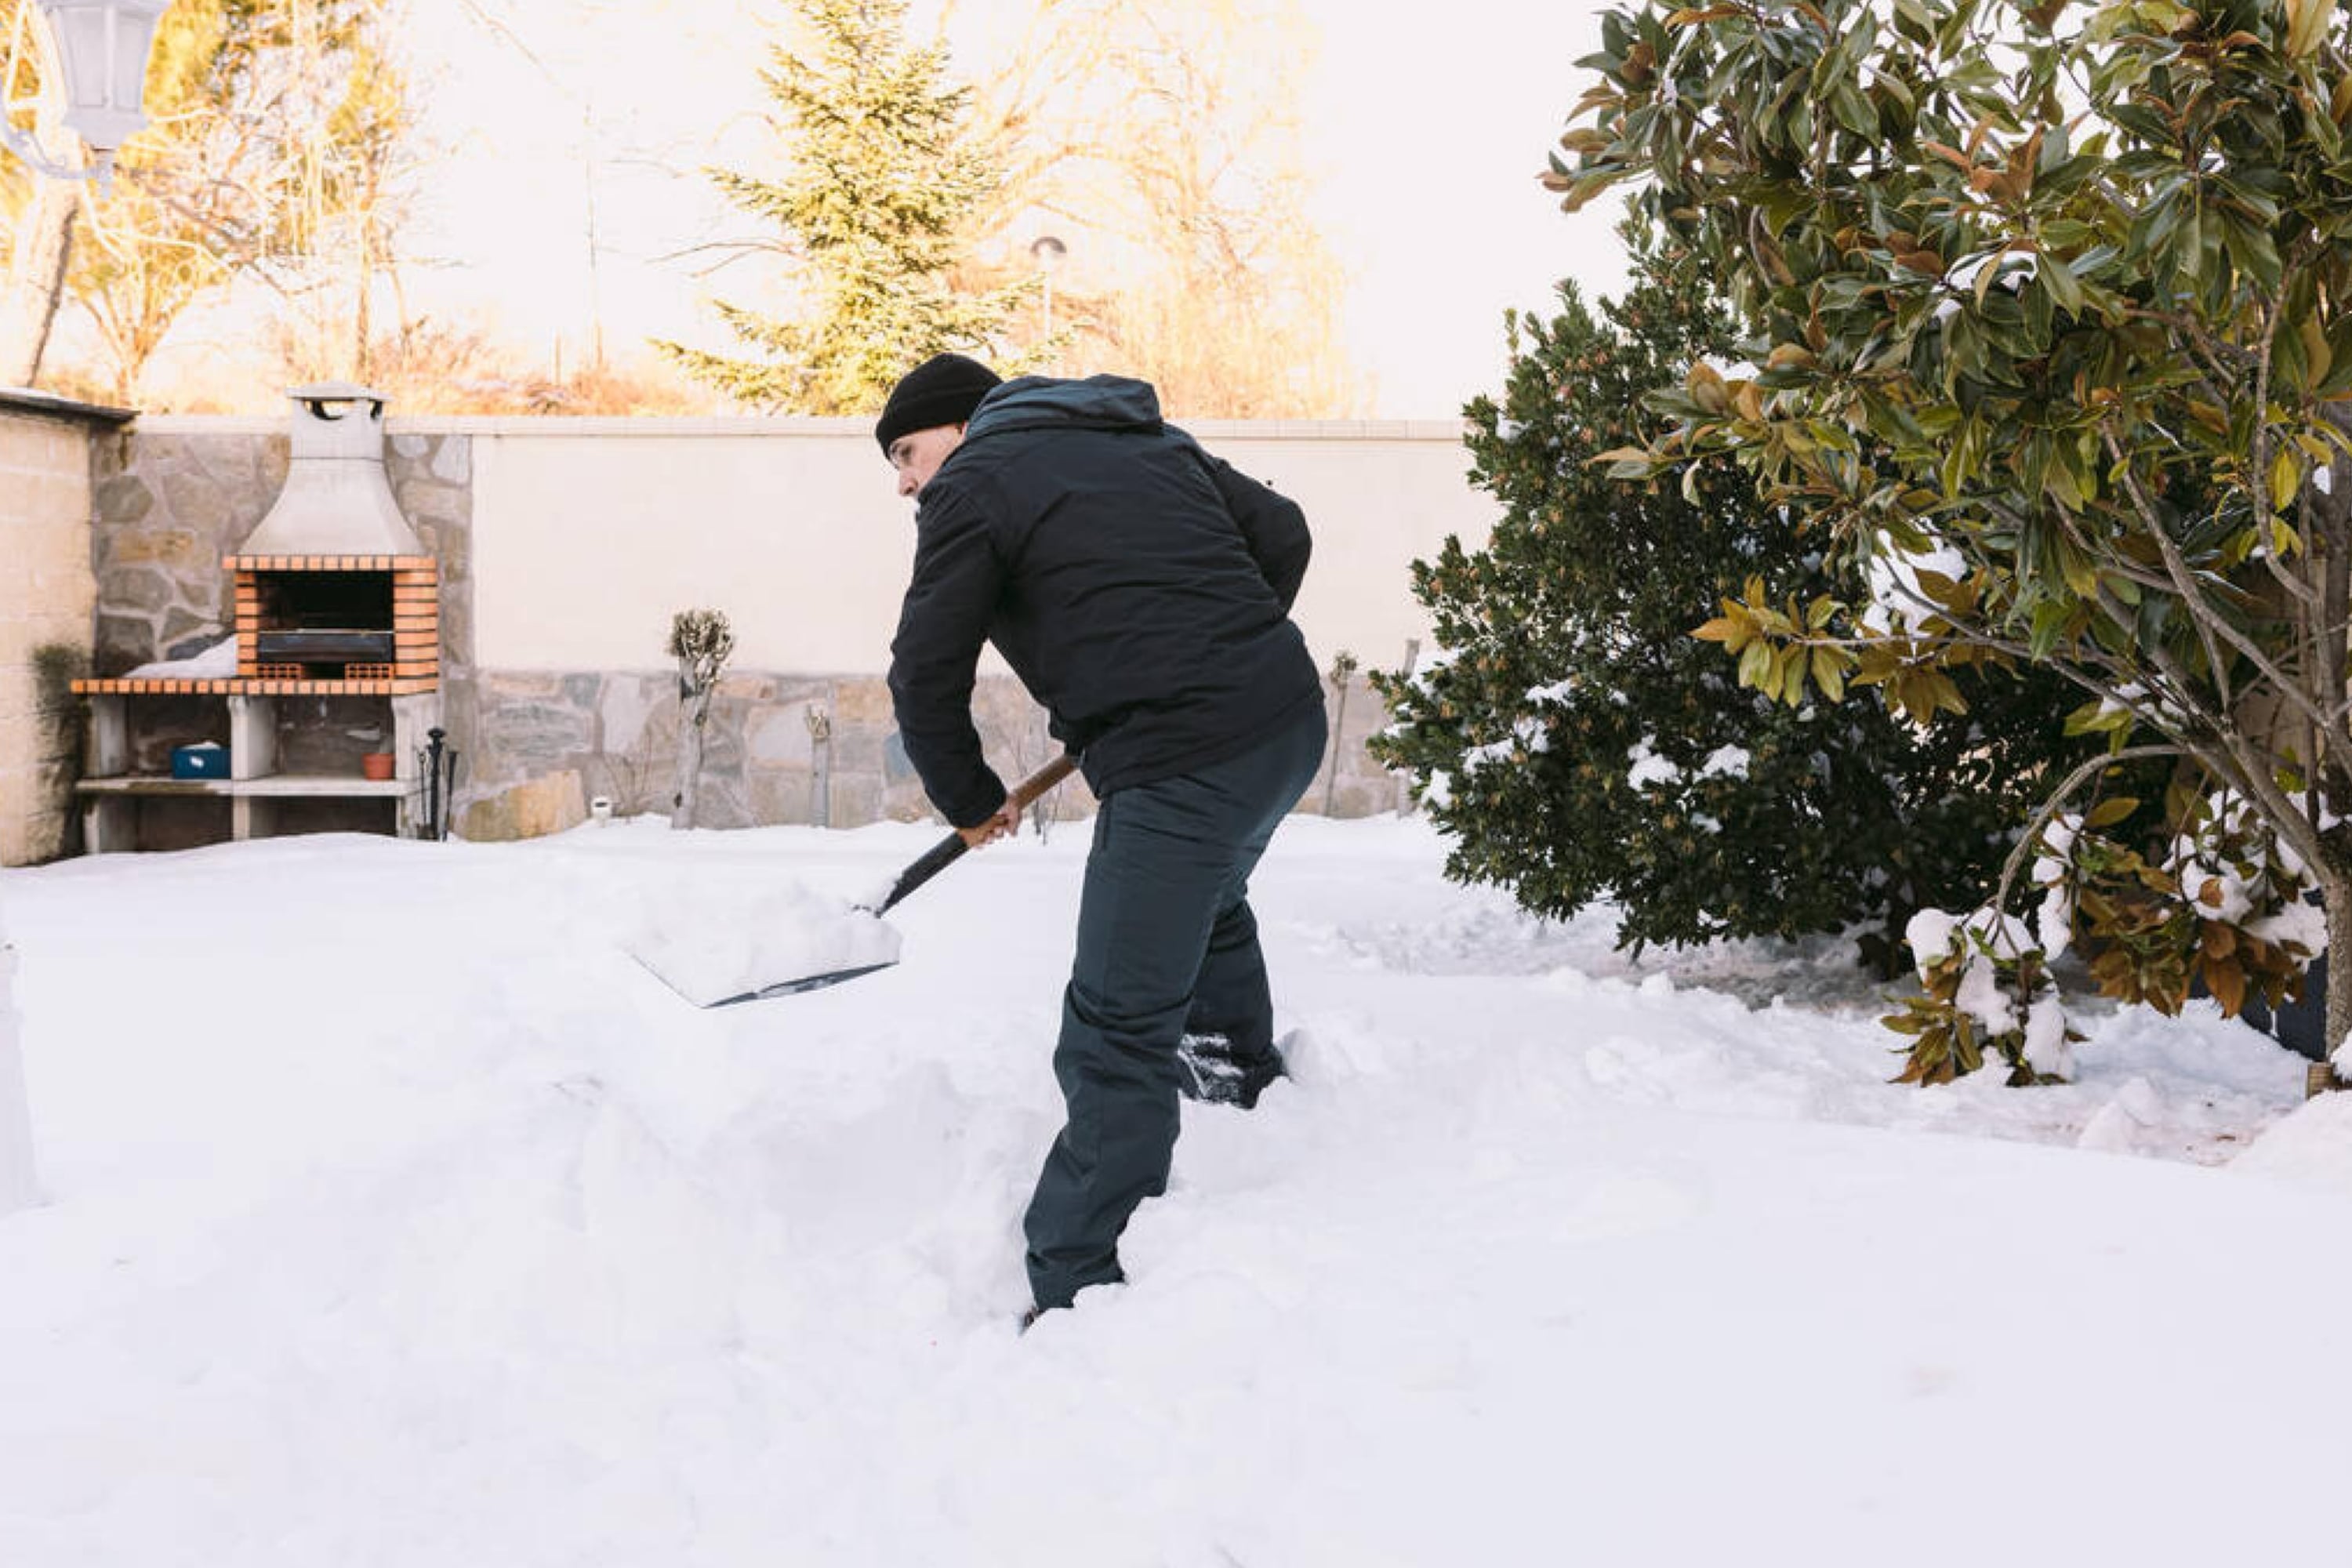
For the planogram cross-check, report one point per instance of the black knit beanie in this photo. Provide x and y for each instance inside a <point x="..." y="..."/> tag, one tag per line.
<point x="942" y="390"/>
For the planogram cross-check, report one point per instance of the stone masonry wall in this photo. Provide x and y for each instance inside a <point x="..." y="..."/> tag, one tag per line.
<point x="45" y="595"/>
<point x="169" y="506"/>
<point x="547" y="745"/>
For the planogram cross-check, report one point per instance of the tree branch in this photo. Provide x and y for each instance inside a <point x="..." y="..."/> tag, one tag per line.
<point x="2210" y="626"/>
<point x="2030" y="839"/>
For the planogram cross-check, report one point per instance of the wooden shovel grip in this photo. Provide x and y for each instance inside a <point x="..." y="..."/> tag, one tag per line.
<point x="1026" y="791"/>
<point x="952" y="848"/>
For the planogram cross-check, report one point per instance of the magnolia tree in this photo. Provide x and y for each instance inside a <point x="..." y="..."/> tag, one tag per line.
<point x="2047" y="318"/>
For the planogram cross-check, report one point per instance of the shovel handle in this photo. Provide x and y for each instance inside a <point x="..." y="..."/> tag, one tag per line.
<point x="952" y="848"/>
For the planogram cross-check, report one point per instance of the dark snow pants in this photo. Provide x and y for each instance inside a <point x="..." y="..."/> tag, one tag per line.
<point x="1166" y="945"/>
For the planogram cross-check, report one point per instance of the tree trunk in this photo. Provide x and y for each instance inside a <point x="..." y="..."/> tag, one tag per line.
<point x="37" y="277"/>
<point x="689" y="756"/>
<point x="2337" y="891"/>
<point x="363" y="320"/>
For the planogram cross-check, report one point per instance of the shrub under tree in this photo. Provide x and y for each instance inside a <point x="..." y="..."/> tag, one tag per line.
<point x="1578" y="744"/>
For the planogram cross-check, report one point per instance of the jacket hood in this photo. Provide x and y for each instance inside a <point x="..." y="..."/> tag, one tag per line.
<point x="1039" y="402"/>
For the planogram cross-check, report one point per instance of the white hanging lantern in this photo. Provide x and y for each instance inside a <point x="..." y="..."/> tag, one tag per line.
<point x="101" y="49"/>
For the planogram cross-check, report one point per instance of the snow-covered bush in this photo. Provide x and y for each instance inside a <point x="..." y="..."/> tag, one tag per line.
<point x="2222" y="907"/>
<point x="1986" y="992"/>
<point x="1578" y="744"/>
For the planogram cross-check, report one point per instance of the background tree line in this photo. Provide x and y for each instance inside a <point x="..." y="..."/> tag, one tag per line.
<point x="289" y="153"/>
<point x="280" y="154"/>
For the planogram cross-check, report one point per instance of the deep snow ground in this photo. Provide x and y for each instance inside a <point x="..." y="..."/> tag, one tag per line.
<point x="397" y="1218"/>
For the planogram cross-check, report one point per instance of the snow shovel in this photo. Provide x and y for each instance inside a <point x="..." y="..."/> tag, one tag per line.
<point x="819" y="945"/>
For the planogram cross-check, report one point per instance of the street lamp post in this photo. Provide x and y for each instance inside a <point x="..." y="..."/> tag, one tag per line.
<point x="100" y="48"/>
<point x="1048" y="252"/>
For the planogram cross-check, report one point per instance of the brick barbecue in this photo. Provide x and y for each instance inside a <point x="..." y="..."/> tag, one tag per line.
<point x="362" y="624"/>
<point x="333" y="596"/>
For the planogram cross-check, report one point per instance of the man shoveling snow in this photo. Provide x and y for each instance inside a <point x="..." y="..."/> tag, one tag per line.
<point x="1141" y="589"/>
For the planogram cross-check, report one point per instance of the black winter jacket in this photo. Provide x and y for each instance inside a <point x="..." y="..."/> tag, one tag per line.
<point x="1139" y="588"/>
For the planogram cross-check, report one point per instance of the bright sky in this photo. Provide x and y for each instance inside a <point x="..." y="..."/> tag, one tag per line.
<point x="1428" y="133"/>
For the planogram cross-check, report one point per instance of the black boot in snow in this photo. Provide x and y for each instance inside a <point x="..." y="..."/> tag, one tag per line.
<point x="1206" y="1070"/>
<point x="1256" y="1076"/>
<point x="1214" y="1075"/>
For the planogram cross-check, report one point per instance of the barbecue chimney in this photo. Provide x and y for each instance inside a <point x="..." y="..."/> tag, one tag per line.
<point x="337" y="500"/>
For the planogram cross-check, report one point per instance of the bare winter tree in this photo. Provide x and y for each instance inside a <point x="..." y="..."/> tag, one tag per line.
<point x="342" y="184"/>
<point x="1163" y="144"/>
<point x="280" y="148"/>
<point x="39" y="236"/>
<point x="180" y="213"/>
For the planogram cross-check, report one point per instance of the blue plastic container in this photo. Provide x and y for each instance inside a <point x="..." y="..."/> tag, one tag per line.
<point x="208" y="760"/>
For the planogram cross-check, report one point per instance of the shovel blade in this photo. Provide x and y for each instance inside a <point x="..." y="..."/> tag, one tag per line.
<point x="794" y="988"/>
<point x="723" y="953"/>
<point x="781" y="988"/>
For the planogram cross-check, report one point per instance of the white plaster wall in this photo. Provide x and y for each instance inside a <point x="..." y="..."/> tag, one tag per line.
<point x="589" y="534"/>
<point x="1378" y="497"/>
